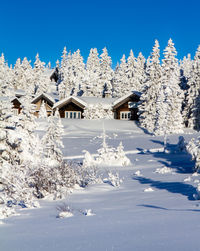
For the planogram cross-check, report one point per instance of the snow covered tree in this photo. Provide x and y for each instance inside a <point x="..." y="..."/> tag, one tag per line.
<point x="140" y="73"/>
<point x="43" y="111"/>
<point x="57" y="114"/>
<point x="41" y="81"/>
<point x="150" y="95"/>
<point x="13" y="169"/>
<point x="23" y="77"/>
<point x="131" y="68"/>
<point x="185" y="68"/>
<point x="5" y="77"/>
<point x="78" y="73"/>
<point x="72" y="74"/>
<point x="193" y="148"/>
<point x="52" y="141"/>
<point x="120" y="79"/>
<point x="106" y="74"/>
<point x="192" y="107"/>
<point x="92" y="74"/>
<point x="169" y="104"/>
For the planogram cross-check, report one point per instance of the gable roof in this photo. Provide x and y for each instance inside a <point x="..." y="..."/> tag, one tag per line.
<point x="69" y="99"/>
<point x="124" y="98"/>
<point x="45" y="96"/>
<point x="105" y="102"/>
<point x="10" y="99"/>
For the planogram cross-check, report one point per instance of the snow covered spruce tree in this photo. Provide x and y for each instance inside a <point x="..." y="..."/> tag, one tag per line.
<point x="42" y="83"/>
<point x="140" y="73"/>
<point x="53" y="176"/>
<point x="72" y="74"/>
<point x="106" y="74"/>
<point x="192" y="106"/>
<point x="14" y="189"/>
<point x="23" y="76"/>
<point x="64" y="87"/>
<point x="43" y="111"/>
<point x="5" y="77"/>
<point x="149" y="97"/>
<point x="131" y="68"/>
<point x="120" y="81"/>
<point x="169" y="103"/>
<point x="185" y="69"/>
<point x="93" y="74"/>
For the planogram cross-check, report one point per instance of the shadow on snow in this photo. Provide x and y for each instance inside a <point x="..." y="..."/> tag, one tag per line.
<point x="178" y="161"/>
<point x="169" y="209"/>
<point x="172" y="187"/>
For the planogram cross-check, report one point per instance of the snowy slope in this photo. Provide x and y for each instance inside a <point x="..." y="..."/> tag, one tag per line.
<point x="151" y="211"/>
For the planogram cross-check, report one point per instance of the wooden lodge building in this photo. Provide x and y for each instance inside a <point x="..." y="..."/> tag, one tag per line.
<point x="72" y="107"/>
<point x="124" y="108"/>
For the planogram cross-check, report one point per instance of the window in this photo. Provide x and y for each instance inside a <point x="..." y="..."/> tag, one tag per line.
<point x="125" y="115"/>
<point x="15" y="111"/>
<point x="72" y="115"/>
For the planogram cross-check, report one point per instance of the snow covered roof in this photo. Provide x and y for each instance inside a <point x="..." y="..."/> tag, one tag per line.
<point x="19" y="93"/>
<point x="105" y="102"/>
<point x="6" y="98"/>
<point x="68" y="100"/>
<point x="44" y="95"/>
<point x="87" y="101"/>
<point x="123" y="98"/>
<point x="48" y="72"/>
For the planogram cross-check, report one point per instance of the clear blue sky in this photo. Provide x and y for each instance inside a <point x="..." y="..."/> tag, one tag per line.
<point x="46" y="26"/>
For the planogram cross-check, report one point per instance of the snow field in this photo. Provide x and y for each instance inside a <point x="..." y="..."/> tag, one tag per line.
<point x="126" y="217"/>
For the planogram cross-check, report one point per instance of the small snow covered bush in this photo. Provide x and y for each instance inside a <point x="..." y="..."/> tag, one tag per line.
<point x="113" y="179"/>
<point x="193" y="148"/>
<point x="107" y="156"/>
<point x="64" y="211"/>
<point x="163" y="170"/>
<point x="88" y="173"/>
<point x="181" y="146"/>
<point x="197" y="195"/>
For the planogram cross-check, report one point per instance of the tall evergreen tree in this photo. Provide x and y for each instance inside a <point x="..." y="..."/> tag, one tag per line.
<point x="192" y="108"/>
<point x="131" y="68"/>
<point x="151" y="93"/>
<point x="140" y="73"/>
<point x="169" y="105"/>
<point x="93" y="74"/>
<point x="120" y="79"/>
<point x="106" y="73"/>
<point x="42" y="82"/>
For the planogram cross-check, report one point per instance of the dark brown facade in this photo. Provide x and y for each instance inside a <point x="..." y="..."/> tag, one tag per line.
<point x="70" y="107"/>
<point x="127" y="105"/>
<point x="16" y="105"/>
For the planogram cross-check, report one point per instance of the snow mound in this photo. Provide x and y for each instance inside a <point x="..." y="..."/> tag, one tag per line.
<point x="138" y="173"/>
<point x="6" y="211"/>
<point x="65" y="214"/>
<point x="88" y="212"/>
<point x="188" y="179"/>
<point x="149" y="189"/>
<point x="164" y="170"/>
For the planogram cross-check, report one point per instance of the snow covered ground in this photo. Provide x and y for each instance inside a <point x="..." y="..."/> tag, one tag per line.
<point x="153" y="209"/>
